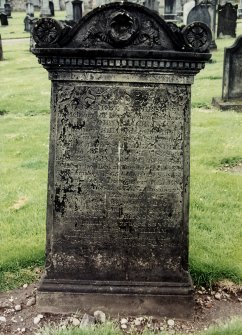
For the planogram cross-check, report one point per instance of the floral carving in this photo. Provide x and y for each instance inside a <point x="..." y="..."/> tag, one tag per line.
<point x="197" y="36"/>
<point x="46" y="31"/>
<point x="122" y="27"/>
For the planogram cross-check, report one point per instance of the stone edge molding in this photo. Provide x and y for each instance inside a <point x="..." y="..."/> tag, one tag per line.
<point x="102" y="44"/>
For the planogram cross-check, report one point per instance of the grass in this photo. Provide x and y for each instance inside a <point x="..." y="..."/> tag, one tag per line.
<point x="233" y="327"/>
<point x="215" y="213"/>
<point x="15" y="28"/>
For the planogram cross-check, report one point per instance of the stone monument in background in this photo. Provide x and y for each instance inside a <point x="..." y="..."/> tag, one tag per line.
<point x="232" y="78"/>
<point x="227" y="20"/>
<point x="205" y="12"/>
<point x="118" y="186"/>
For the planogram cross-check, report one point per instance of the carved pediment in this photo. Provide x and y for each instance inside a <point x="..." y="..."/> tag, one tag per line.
<point x="125" y="26"/>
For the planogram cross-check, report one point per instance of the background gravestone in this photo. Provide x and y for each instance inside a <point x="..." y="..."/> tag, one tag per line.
<point x="1" y="49"/>
<point x="8" y="10"/>
<point x="204" y="12"/>
<point x="170" y="10"/>
<point x="52" y="9"/>
<point x="3" y="19"/>
<point x="232" y="78"/>
<point x="227" y="19"/>
<point x="118" y="194"/>
<point x="240" y="10"/>
<point x="30" y="8"/>
<point x="187" y="7"/>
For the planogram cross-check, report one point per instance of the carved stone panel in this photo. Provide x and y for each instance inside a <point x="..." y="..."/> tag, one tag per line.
<point x="119" y="181"/>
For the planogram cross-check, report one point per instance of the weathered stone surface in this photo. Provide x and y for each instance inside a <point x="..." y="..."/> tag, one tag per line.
<point x="232" y="79"/>
<point x="117" y="222"/>
<point x="227" y="20"/>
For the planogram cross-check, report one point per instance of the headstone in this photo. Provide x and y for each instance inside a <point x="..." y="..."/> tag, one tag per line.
<point x="27" y="20"/>
<point x="2" y="3"/>
<point x="30" y="9"/>
<point x="8" y="10"/>
<point x="152" y="4"/>
<point x="3" y="19"/>
<point x="227" y="19"/>
<point x="45" y="9"/>
<point x="77" y="10"/>
<point x="232" y="78"/>
<point x="204" y="12"/>
<point x="1" y="49"/>
<point x="57" y="4"/>
<point x="240" y="10"/>
<point x="187" y="7"/>
<point x="69" y="10"/>
<point x="170" y="10"/>
<point x="52" y="9"/>
<point x="117" y="222"/>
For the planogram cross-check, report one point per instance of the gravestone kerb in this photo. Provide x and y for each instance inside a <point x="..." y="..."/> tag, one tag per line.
<point x="118" y="185"/>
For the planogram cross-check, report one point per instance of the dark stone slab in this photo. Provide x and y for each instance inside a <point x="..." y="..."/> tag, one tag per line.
<point x="232" y="78"/>
<point x="4" y="19"/>
<point x="1" y="49"/>
<point x="52" y="8"/>
<point x="118" y="188"/>
<point x="227" y="20"/>
<point x="8" y="10"/>
<point x="77" y="10"/>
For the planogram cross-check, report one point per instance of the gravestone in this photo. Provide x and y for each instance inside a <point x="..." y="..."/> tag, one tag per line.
<point x="227" y="19"/>
<point x="3" y="19"/>
<point x="27" y="21"/>
<point x="232" y="78"/>
<point x="2" y="3"/>
<point x="152" y="4"/>
<point x="187" y="7"/>
<point x="8" y="10"/>
<point x="77" y="10"/>
<point x="1" y="48"/>
<point x="239" y="14"/>
<point x="30" y="9"/>
<point x="170" y="10"/>
<point x="69" y="10"/>
<point x="204" y="12"/>
<point x="118" y="194"/>
<point x="52" y="9"/>
<point x="45" y="9"/>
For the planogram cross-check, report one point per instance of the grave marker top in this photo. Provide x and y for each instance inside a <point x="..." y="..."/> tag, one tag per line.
<point x="117" y="222"/>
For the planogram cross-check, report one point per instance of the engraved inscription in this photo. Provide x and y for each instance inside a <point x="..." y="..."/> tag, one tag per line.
<point x="119" y="163"/>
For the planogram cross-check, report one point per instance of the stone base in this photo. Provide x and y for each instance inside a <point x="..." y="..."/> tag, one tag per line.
<point x="235" y="105"/>
<point x="173" y="300"/>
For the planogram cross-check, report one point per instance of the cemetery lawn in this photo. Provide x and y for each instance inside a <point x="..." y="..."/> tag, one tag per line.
<point x="216" y="173"/>
<point x="15" y="28"/>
